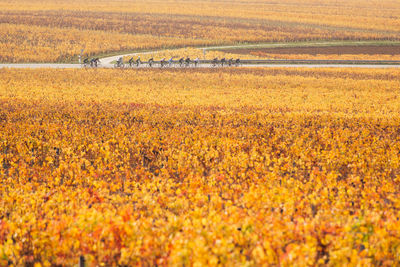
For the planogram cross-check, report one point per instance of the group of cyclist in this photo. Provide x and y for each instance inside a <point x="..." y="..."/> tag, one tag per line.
<point x="223" y="61"/>
<point x="182" y="62"/>
<point x="94" y="62"/>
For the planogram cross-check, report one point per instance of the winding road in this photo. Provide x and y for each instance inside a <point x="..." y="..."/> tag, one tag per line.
<point x="292" y="65"/>
<point x="107" y="62"/>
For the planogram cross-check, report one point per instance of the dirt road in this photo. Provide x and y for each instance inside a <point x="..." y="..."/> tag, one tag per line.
<point x="68" y="66"/>
<point x="108" y="62"/>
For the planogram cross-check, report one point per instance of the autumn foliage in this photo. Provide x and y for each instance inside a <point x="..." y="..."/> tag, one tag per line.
<point x="199" y="167"/>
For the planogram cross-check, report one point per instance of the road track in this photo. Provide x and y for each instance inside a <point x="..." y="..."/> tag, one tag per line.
<point x="108" y="62"/>
<point x="292" y="65"/>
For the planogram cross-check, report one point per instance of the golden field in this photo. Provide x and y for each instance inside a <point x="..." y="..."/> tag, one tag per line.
<point x="49" y="30"/>
<point x="27" y="43"/>
<point x="234" y="167"/>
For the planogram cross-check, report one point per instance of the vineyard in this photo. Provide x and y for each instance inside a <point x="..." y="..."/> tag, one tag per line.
<point x="56" y="31"/>
<point x="199" y="167"/>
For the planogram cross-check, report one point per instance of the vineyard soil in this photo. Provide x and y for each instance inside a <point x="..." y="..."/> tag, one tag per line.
<point x="389" y="52"/>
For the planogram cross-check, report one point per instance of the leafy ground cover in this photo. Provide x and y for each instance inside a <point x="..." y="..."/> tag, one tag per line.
<point x="199" y="167"/>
